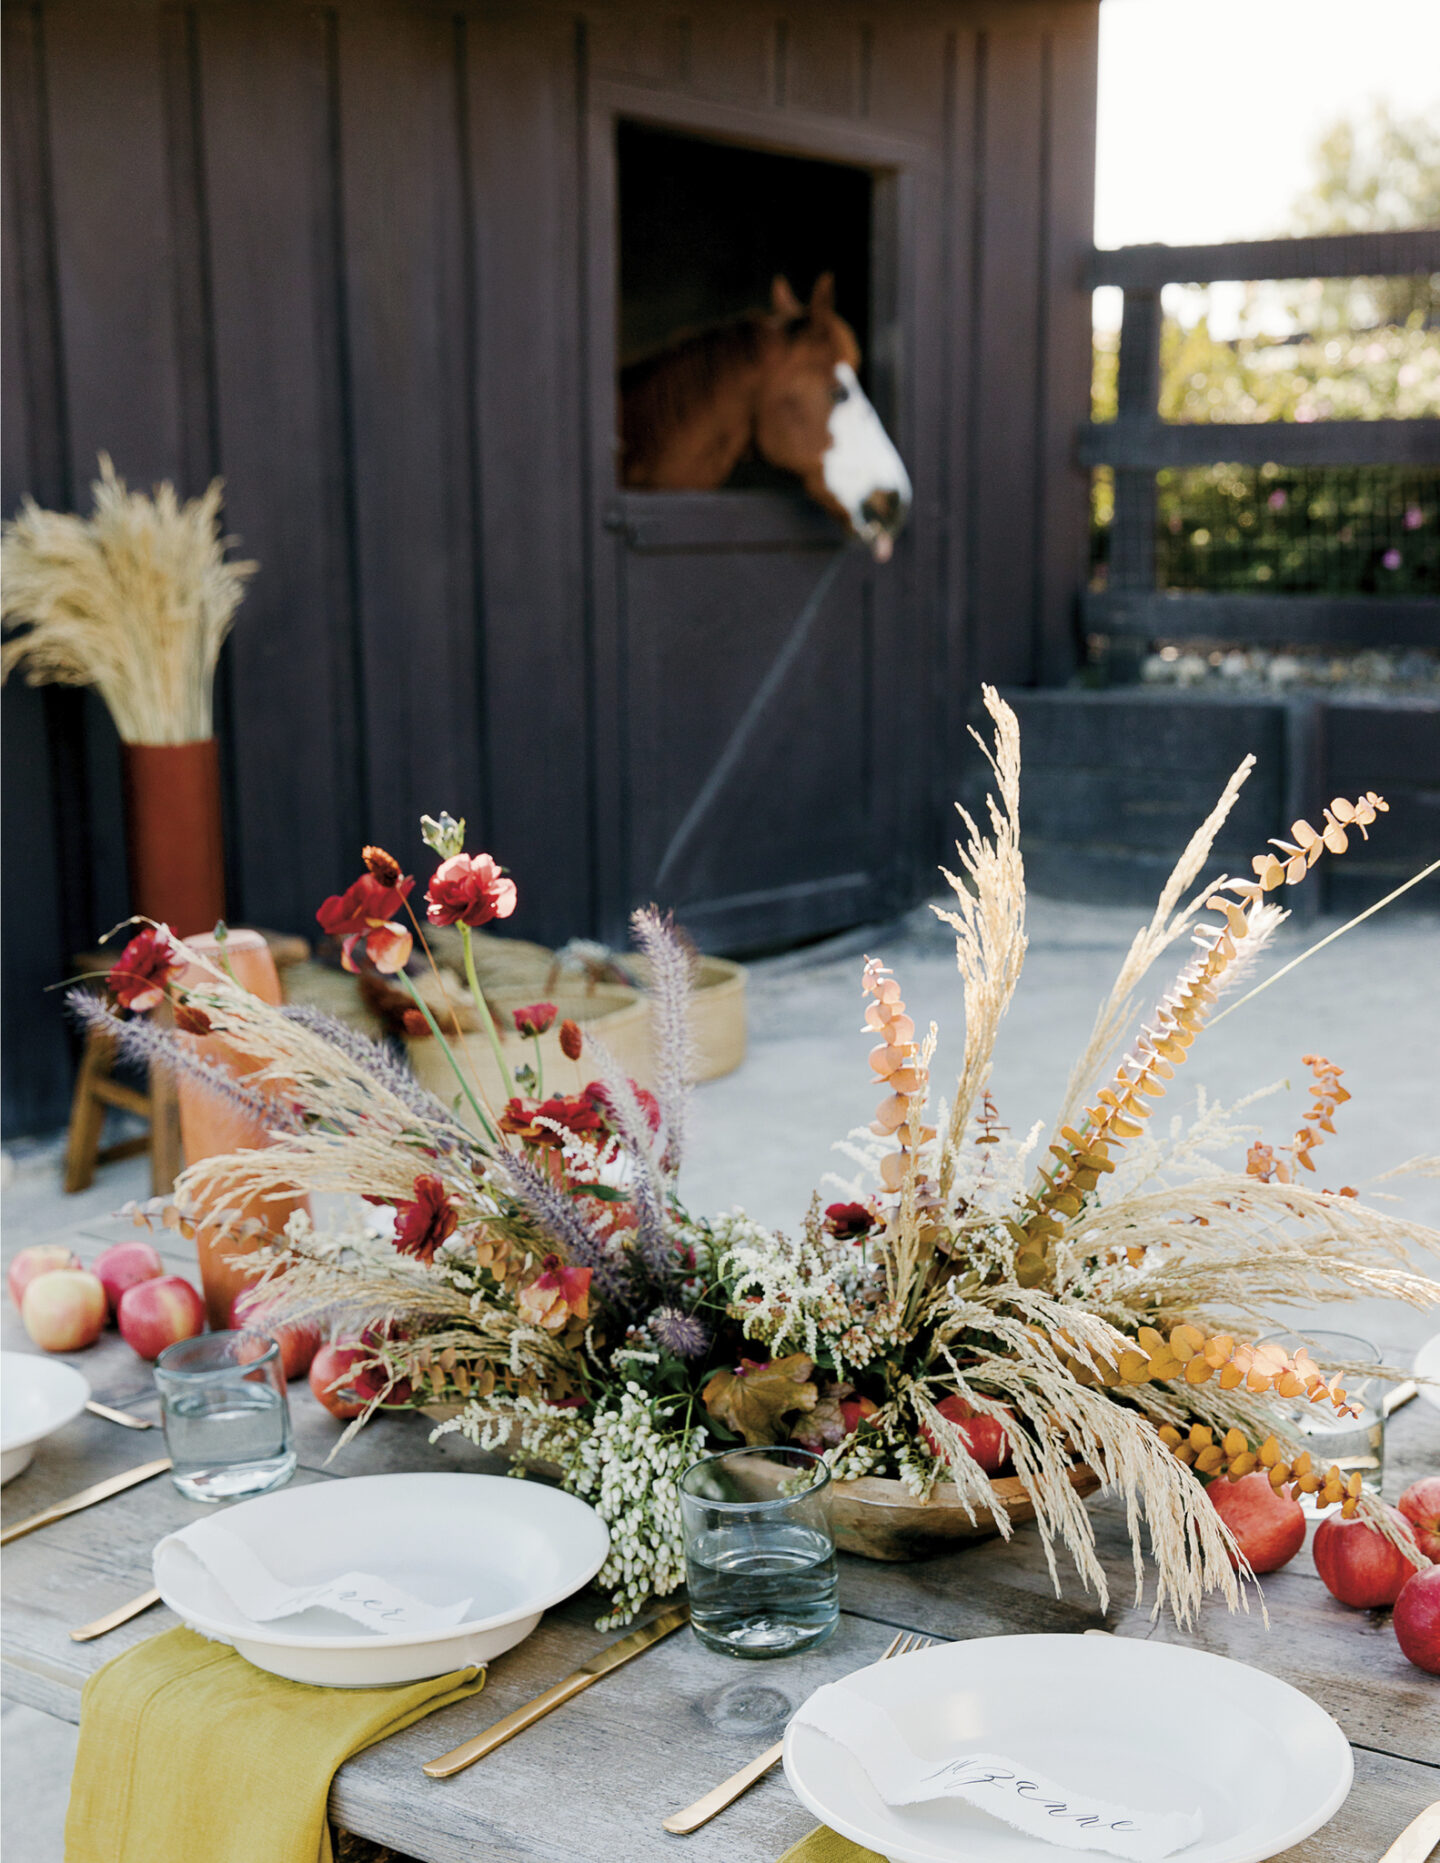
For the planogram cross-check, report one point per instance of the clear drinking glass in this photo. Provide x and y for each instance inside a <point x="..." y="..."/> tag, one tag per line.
<point x="1349" y="1442"/>
<point x="227" y="1424"/>
<point x="759" y="1553"/>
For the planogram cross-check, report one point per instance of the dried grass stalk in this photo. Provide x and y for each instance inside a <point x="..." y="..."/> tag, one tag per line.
<point x="135" y="600"/>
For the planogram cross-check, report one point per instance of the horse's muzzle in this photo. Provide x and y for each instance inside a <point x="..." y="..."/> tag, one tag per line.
<point x="884" y="512"/>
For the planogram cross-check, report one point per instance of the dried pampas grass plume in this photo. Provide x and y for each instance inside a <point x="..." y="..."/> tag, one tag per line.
<point x="135" y="600"/>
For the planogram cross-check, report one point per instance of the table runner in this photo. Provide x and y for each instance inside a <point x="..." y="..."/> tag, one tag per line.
<point x="826" y="1846"/>
<point x="190" y="1754"/>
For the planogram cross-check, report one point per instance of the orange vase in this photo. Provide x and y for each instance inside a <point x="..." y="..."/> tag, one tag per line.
<point x="173" y="833"/>
<point x="210" y="1126"/>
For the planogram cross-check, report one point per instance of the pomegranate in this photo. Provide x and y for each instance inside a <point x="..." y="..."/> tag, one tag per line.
<point x="1268" y="1524"/>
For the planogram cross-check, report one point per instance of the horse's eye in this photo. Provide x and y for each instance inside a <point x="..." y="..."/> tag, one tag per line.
<point x="838" y="394"/>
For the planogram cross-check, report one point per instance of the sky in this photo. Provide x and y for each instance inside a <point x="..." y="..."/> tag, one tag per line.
<point x="1210" y="111"/>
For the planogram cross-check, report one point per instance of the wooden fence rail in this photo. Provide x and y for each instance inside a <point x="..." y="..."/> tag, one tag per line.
<point x="1138" y="444"/>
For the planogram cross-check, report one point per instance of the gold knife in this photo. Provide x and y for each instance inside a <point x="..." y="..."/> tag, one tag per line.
<point x="112" y="1620"/>
<point x="608" y="1659"/>
<point x="87" y="1497"/>
<point x="1418" y="1838"/>
<point x="122" y="1417"/>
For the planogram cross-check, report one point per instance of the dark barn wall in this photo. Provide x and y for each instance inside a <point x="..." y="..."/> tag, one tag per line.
<point x="360" y="258"/>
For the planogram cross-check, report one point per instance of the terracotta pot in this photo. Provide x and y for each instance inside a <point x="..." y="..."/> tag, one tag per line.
<point x="879" y="1518"/>
<point x="209" y="1126"/>
<point x="173" y="833"/>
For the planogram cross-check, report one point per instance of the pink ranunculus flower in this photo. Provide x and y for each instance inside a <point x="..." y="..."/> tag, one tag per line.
<point x="143" y="969"/>
<point x="469" y="889"/>
<point x="388" y="947"/>
<point x="557" y="1294"/>
<point x="535" y="1018"/>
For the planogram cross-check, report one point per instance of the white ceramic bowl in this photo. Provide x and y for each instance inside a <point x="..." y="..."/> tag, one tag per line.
<point x="1153" y="1725"/>
<point x="1427" y="1365"/>
<point x="37" y="1397"/>
<point x="514" y="1547"/>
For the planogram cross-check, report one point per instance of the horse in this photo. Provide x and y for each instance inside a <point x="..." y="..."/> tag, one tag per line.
<point x="782" y="384"/>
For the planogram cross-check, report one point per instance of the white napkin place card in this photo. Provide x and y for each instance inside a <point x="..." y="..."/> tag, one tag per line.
<point x="255" y="1590"/>
<point x="1017" y="1794"/>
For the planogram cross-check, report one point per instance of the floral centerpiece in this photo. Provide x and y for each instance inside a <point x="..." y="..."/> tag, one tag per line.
<point x="1089" y="1293"/>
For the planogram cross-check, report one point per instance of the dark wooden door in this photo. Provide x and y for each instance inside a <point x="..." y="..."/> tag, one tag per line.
<point x="696" y="595"/>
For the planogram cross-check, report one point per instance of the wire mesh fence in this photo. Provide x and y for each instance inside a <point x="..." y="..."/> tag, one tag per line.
<point x="1365" y="530"/>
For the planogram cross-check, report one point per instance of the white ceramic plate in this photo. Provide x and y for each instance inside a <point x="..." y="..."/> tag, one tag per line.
<point x="1153" y="1725"/>
<point x="514" y="1547"/>
<point x="1427" y="1365"/>
<point x="37" y="1396"/>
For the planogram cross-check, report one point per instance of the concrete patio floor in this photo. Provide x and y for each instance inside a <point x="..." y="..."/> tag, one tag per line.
<point x="762" y="1138"/>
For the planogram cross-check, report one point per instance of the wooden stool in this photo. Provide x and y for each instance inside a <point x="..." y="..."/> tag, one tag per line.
<point x="96" y="1088"/>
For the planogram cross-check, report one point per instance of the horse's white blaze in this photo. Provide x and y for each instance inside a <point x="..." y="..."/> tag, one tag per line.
<point x="863" y="472"/>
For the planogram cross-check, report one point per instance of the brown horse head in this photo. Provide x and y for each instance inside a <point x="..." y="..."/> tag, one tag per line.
<point x="780" y="383"/>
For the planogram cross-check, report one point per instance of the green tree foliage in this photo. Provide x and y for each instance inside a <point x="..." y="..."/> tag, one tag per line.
<point x="1335" y="349"/>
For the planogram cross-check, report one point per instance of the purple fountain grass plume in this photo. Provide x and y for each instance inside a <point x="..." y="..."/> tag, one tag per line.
<point x="142" y="1042"/>
<point x="549" y="1206"/>
<point x="672" y="987"/>
<point x="632" y="1128"/>
<point x="373" y="1057"/>
<point x="680" y="1333"/>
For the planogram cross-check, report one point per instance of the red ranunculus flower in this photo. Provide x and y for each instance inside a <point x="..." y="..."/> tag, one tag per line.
<point x="535" y="1018"/>
<point x="850" y="1220"/>
<point x="469" y="889"/>
<point x="426" y="1221"/>
<point x="143" y="969"/>
<point x="579" y="1114"/>
<point x="363" y="906"/>
<point x="649" y="1105"/>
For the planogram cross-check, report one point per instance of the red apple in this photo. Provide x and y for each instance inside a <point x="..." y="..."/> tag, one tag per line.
<point x="1358" y="1564"/>
<point x="64" y="1310"/>
<point x="125" y="1265"/>
<point x="159" y="1313"/>
<point x="299" y="1340"/>
<point x="42" y="1258"/>
<point x="983" y="1436"/>
<point x="1420" y="1504"/>
<point x="1269" y="1526"/>
<point x="328" y="1368"/>
<point x="1417" y="1619"/>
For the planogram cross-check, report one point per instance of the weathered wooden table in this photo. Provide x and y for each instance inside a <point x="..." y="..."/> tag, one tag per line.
<point x="591" y="1783"/>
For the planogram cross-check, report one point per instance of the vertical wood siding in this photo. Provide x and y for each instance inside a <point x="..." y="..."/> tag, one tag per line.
<point x="347" y="255"/>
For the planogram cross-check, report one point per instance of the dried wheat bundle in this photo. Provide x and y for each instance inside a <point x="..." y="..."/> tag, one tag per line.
<point x="135" y="600"/>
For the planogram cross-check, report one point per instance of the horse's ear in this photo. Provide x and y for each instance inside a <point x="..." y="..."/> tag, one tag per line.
<point x="822" y="298"/>
<point x="783" y="300"/>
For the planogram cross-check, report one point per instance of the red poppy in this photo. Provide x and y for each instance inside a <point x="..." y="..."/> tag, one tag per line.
<point x="429" y="1219"/>
<point x="143" y="969"/>
<point x="578" y="1113"/>
<point x="367" y="903"/>
<point x="469" y="889"/>
<point x="535" y="1018"/>
<point x="852" y="1221"/>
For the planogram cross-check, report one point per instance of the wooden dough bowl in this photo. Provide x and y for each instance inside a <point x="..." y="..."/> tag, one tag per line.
<point x="879" y="1518"/>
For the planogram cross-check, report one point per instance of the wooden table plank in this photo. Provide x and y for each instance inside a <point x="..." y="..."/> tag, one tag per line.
<point x="590" y="1784"/>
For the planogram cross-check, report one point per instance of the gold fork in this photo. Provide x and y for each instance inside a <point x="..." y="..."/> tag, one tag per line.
<point x="704" y="1809"/>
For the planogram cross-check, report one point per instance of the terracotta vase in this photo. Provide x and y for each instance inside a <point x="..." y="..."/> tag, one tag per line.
<point x="210" y="1126"/>
<point x="173" y="833"/>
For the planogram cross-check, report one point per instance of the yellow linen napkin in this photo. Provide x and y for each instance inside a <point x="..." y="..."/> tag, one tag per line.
<point x="189" y="1754"/>
<point x="826" y="1846"/>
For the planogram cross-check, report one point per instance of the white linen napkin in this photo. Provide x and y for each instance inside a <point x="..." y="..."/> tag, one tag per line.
<point x="1005" y="1788"/>
<point x="255" y="1590"/>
